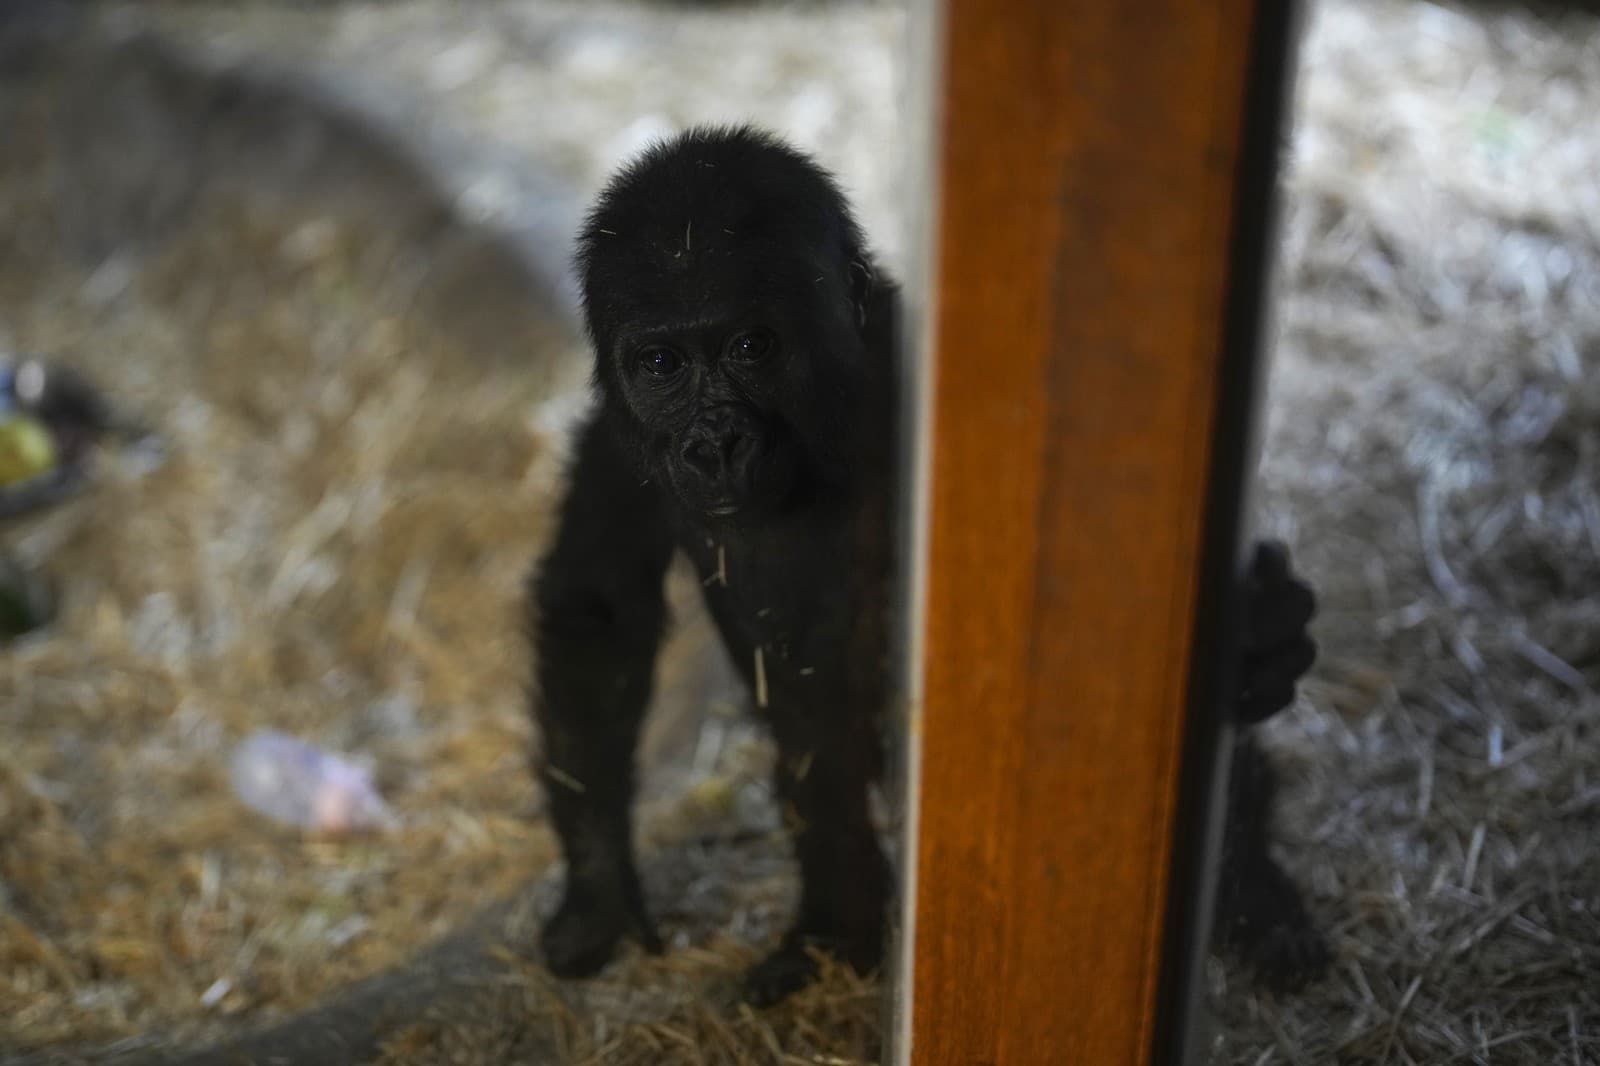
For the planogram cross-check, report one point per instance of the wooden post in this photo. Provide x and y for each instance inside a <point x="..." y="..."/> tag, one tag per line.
<point x="1101" y="178"/>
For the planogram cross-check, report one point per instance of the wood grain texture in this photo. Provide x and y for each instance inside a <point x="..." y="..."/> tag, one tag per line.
<point x="1086" y="179"/>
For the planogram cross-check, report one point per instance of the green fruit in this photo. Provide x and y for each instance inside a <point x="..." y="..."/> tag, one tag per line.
<point x="26" y="449"/>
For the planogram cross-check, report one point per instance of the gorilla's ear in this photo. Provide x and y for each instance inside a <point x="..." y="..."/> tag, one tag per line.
<point x="863" y="287"/>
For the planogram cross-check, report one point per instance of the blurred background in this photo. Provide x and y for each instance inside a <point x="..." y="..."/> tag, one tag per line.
<point x="289" y="353"/>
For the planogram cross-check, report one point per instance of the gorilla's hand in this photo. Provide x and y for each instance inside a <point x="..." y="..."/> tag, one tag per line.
<point x="1277" y="650"/>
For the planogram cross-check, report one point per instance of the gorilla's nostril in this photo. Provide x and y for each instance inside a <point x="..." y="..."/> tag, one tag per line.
<point x="703" y="456"/>
<point x="740" y="450"/>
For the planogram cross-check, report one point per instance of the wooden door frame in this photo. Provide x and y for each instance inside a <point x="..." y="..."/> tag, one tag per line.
<point x="1095" y="252"/>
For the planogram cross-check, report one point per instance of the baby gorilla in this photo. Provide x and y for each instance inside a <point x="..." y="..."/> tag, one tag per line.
<point x="744" y="343"/>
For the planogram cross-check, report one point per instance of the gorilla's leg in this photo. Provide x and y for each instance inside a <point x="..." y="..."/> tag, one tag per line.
<point x="825" y="767"/>
<point x="598" y="616"/>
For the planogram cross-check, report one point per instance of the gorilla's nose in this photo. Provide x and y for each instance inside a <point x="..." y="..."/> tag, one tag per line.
<point x="720" y="445"/>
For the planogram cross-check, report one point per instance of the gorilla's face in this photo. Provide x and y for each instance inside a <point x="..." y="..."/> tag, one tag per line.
<point x="720" y="402"/>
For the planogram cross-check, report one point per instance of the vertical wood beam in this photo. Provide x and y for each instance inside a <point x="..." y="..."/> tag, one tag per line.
<point x="1100" y="174"/>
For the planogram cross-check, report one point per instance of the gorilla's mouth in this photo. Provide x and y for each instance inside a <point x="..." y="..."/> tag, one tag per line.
<point x="760" y="495"/>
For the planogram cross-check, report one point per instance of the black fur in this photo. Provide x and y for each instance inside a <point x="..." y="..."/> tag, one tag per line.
<point x="744" y="344"/>
<point x="1260" y="914"/>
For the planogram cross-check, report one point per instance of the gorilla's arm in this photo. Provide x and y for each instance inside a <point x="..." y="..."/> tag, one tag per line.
<point x="598" y="614"/>
<point x="1260" y="913"/>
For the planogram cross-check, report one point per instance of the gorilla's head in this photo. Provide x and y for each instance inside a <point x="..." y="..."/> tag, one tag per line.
<point x="726" y="291"/>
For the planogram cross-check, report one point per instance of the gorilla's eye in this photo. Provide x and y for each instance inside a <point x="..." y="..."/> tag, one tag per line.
<point x="660" y="361"/>
<point x="751" y="346"/>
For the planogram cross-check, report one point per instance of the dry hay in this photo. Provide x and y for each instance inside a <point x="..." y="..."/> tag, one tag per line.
<point x="342" y="522"/>
<point x="696" y="1017"/>
<point x="682" y="1007"/>
<point x="1432" y="456"/>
